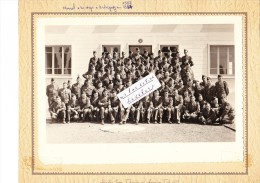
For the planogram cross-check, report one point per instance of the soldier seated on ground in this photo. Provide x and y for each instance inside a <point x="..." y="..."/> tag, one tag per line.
<point x="146" y="109"/>
<point x="58" y="110"/>
<point x="103" y="104"/>
<point x="207" y="115"/>
<point x="113" y="108"/>
<point x="192" y="109"/>
<point x="73" y="108"/>
<point x="226" y="112"/>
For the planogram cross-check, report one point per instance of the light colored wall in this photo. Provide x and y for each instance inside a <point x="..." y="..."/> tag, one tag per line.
<point x="84" y="40"/>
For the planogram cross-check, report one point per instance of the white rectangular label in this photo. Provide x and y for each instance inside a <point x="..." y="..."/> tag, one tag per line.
<point x="139" y="90"/>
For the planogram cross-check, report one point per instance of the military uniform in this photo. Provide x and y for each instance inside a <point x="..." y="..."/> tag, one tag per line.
<point x="51" y="92"/>
<point x="65" y="95"/>
<point x="207" y="116"/>
<point x="146" y="110"/>
<point x="178" y="108"/>
<point x="76" y="89"/>
<point x="73" y="109"/>
<point x="157" y="104"/>
<point x="114" y="108"/>
<point x="103" y="107"/>
<point x="167" y="107"/>
<point x="222" y="89"/>
<point x="135" y="111"/>
<point x="87" y="89"/>
<point x="58" y="111"/>
<point x="227" y="113"/>
<point x="192" y="110"/>
<point x="210" y="92"/>
<point x="86" y="108"/>
<point x="95" y="110"/>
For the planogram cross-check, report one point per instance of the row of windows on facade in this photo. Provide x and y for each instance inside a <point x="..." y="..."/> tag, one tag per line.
<point x="58" y="58"/>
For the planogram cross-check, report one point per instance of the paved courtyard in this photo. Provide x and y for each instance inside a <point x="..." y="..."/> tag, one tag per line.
<point x="131" y="133"/>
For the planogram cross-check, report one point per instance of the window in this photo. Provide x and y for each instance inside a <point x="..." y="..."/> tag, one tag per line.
<point x="111" y="48"/>
<point x="165" y="48"/>
<point x="142" y="48"/>
<point x="58" y="60"/>
<point x="222" y="59"/>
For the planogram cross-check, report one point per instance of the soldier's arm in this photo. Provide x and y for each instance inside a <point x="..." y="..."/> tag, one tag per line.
<point x="226" y="87"/>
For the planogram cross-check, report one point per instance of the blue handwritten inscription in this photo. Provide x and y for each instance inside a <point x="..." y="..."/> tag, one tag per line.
<point x="139" y="90"/>
<point x="104" y="7"/>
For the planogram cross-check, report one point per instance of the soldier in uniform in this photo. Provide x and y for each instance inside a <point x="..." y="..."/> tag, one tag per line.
<point x="215" y="105"/>
<point x="85" y="107"/>
<point x="226" y="112"/>
<point x="207" y="115"/>
<point x="76" y="88"/>
<point x="167" y="106"/>
<point x="94" y="102"/>
<point x="87" y="88"/>
<point x="99" y="89"/>
<point x="157" y="104"/>
<point x="93" y="60"/>
<point x="135" y="111"/>
<point x="103" y="106"/>
<point x="192" y="109"/>
<point x="221" y="88"/>
<point x="210" y="90"/>
<point x="138" y="56"/>
<point x="201" y="101"/>
<point x="113" y="108"/>
<point x="146" y="109"/>
<point x="146" y="58"/>
<point x="180" y="87"/>
<point x="58" y="110"/>
<point x="178" y="106"/>
<point x="51" y="92"/>
<point x="199" y="89"/>
<point x="73" y="108"/>
<point x="186" y="98"/>
<point x="204" y="81"/>
<point x="65" y="94"/>
<point x="159" y="58"/>
<point x="186" y="59"/>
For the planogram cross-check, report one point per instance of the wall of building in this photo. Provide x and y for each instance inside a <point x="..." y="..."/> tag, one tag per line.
<point x="86" y="39"/>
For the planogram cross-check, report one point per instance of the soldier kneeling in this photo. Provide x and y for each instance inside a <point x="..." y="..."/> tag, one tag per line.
<point x="58" y="110"/>
<point x="207" y="115"/>
<point x="226" y="112"/>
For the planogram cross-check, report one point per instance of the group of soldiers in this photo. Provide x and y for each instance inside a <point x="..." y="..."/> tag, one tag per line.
<point x="180" y="97"/>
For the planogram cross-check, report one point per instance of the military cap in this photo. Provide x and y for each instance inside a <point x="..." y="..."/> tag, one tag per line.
<point x="208" y="78"/>
<point x="145" y="51"/>
<point x="152" y="53"/>
<point x="94" y="52"/>
<point x="159" y="51"/>
<point x="52" y="79"/>
<point x="65" y="83"/>
<point x="123" y="52"/>
<point x="185" y="50"/>
<point x="180" y="81"/>
<point x="78" y="78"/>
<point x="219" y="76"/>
<point x="130" y="52"/>
<point x="73" y="95"/>
<point x="68" y="81"/>
<point x="203" y="76"/>
<point x="99" y="81"/>
<point x="137" y="49"/>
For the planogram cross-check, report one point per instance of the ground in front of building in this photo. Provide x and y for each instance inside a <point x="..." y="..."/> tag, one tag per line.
<point x="130" y="133"/>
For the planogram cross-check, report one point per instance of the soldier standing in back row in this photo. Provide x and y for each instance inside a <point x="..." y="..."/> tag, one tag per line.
<point x="222" y="89"/>
<point x="51" y="92"/>
<point x="76" y="88"/>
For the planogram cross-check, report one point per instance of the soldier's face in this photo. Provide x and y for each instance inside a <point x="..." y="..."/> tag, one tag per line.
<point x="181" y="83"/>
<point x="84" y="96"/>
<point x="166" y="74"/>
<point x="166" y="94"/>
<point x="52" y="82"/>
<point x="200" y="98"/>
<point x="192" y="99"/>
<point x="208" y="107"/>
<point x="185" y="52"/>
<point x="219" y="78"/>
<point x="156" y="94"/>
<point x="73" y="98"/>
<point x="65" y="85"/>
<point x="95" y="95"/>
<point x="94" y="54"/>
<point x="58" y="99"/>
<point x="215" y="101"/>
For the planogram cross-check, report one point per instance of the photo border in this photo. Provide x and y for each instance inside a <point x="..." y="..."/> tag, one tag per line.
<point x="244" y="92"/>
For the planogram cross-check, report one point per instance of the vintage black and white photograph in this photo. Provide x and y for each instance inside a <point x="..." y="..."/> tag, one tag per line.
<point x="91" y="68"/>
